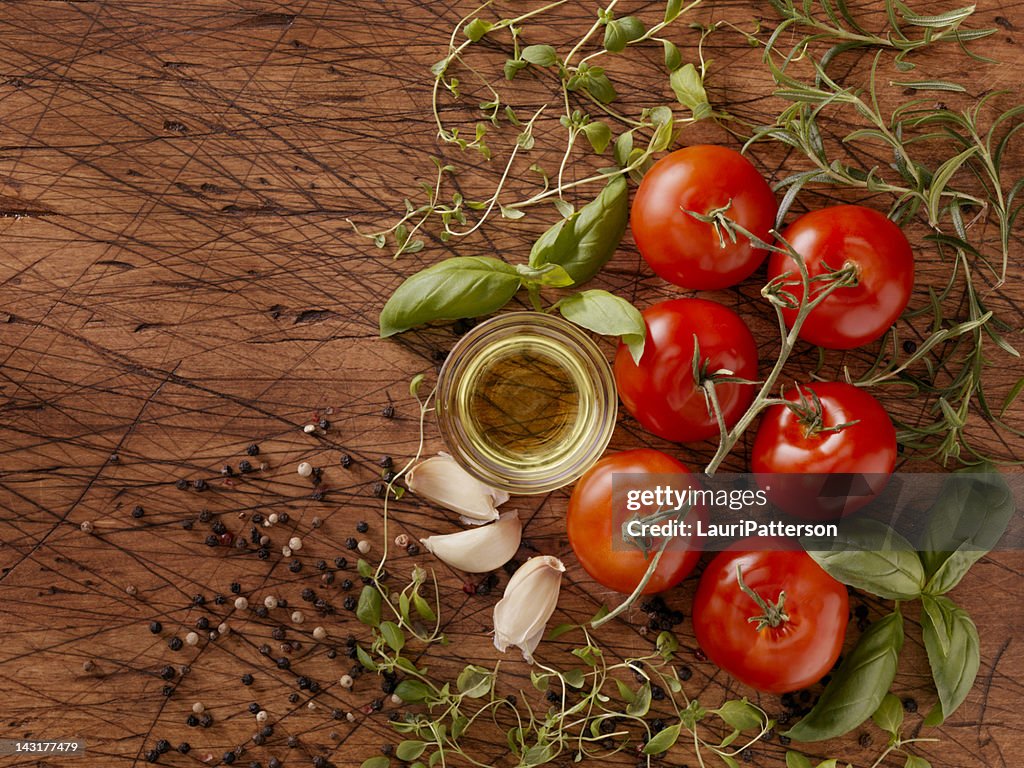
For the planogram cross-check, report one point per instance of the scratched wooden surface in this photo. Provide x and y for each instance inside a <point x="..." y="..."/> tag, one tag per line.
<point x="179" y="282"/>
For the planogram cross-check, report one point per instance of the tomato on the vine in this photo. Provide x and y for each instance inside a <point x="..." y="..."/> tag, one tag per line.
<point x="832" y="238"/>
<point x="702" y="179"/>
<point x="661" y="391"/>
<point x="836" y="440"/>
<point x="599" y="546"/>
<point x="769" y="615"/>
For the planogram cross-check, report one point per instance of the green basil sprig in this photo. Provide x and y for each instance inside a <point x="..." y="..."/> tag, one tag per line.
<point x="967" y="520"/>
<point x="569" y="253"/>
<point x="859" y="685"/>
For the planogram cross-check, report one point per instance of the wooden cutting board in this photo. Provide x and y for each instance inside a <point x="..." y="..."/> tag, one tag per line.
<point x="179" y="283"/>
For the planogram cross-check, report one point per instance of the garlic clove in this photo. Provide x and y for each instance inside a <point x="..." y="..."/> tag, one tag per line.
<point x="482" y="549"/>
<point x="529" y="600"/>
<point x="441" y="480"/>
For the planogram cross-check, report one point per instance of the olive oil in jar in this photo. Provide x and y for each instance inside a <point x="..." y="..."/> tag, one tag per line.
<point x="526" y="402"/>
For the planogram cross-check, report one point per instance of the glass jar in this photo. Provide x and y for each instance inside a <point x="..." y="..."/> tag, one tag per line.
<point x="526" y="402"/>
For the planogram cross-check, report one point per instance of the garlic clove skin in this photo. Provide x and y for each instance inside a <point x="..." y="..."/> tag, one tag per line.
<point x="529" y="600"/>
<point x="441" y="480"/>
<point x="481" y="549"/>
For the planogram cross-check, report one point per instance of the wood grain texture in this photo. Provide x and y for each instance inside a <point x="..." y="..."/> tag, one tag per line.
<point x="179" y="282"/>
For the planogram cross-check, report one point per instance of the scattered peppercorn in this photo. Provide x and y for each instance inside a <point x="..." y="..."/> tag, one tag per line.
<point x="167" y="673"/>
<point x="909" y="705"/>
<point x="351" y="542"/>
<point x="865" y="739"/>
<point x="184" y="747"/>
<point x="350" y="603"/>
<point x="247" y="679"/>
<point x="182" y="484"/>
<point x="229" y="758"/>
<point x="388" y="412"/>
<point x="191" y="721"/>
<point x="174" y="643"/>
<point x="413" y="549"/>
<point x="199" y="484"/>
<point x="138" y="511"/>
<point x="244" y="467"/>
<point x="284" y="663"/>
<point x="295" y="566"/>
<point x="152" y="756"/>
<point x="155" y="627"/>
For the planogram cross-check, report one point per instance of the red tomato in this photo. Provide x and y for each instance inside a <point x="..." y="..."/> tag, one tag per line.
<point x="841" y="468"/>
<point x="661" y="392"/>
<point x="802" y="635"/>
<point x="831" y="238"/>
<point x="598" y="543"/>
<point x="686" y="251"/>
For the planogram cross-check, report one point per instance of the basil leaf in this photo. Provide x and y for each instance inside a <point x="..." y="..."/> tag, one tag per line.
<point x="689" y="90"/>
<point x="673" y="58"/>
<point x="411" y="691"/>
<point x="586" y="240"/>
<point x="967" y="521"/>
<point x="796" y="760"/>
<point x="889" y="715"/>
<point x="609" y="315"/>
<point x="859" y="685"/>
<point x="463" y="286"/>
<point x="663" y="740"/>
<point x="868" y="555"/>
<point x="951" y="640"/>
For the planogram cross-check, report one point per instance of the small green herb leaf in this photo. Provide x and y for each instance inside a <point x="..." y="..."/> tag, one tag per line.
<point x="868" y="555"/>
<point x="541" y="55"/>
<point x="376" y="762"/>
<point x="859" y="685"/>
<point x="889" y="715"/>
<point x="641" y="702"/>
<point x="512" y="67"/>
<point x="598" y="134"/>
<point x="476" y="29"/>
<point x="586" y="240"/>
<point x="574" y="678"/>
<point x="741" y="715"/>
<point x="411" y="691"/>
<point x="364" y="658"/>
<point x="663" y="740"/>
<point x="609" y="315"/>
<point x="673" y="58"/>
<point x="689" y="90"/>
<point x="621" y="32"/>
<point x="796" y="760"/>
<point x="474" y="682"/>
<point x="368" y="607"/>
<point x="666" y="644"/>
<point x="672" y="10"/>
<point x="951" y="640"/>
<point x="410" y="750"/>
<point x="914" y="761"/>
<point x="625" y="691"/>
<point x="463" y="286"/>
<point x="623" y="147"/>
<point x="393" y="636"/>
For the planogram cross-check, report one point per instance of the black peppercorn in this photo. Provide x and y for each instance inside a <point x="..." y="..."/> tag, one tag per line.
<point x="257" y="518"/>
<point x="198" y="600"/>
<point x="263" y="553"/>
<point x="685" y="673"/>
<point x="293" y="741"/>
<point x="350" y="603"/>
<point x="324" y="424"/>
<point x="163" y="746"/>
<point x="267" y="731"/>
<point x="258" y="740"/>
<point x="138" y="511"/>
<point x="390" y="476"/>
<point x="199" y="485"/>
<point x="174" y="643"/>
<point x="864" y="740"/>
<point x="181" y="485"/>
<point x="332" y="654"/>
<point x="202" y="623"/>
<point x="413" y="549"/>
<point x="346" y="584"/>
<point x="265" y="650"/>
<point x="337" y="714"/>
<point x="205" y="516"/>
<point x="152" y="756"/>
<point x="254" y="707"/>
<point x="219" y="600"/>
<point x="168" y="690"/>
<point x="247" y="679"/>
<point x="244" y="467"/>
<point x="206" y="720"/>
<point x="351" y="543"/>
<point x="388" y="412"/>
<point x="295" y="566"/>
<point x="784" y="740"/>
<point x="212" y="540"/>
<point x="346" y="461"/>
<point x="155" y="627"/>
<point x="184" y="747"/>
<point x="319" y="762"/>
<point x="378" y="490"/>
<point x="278" y="633"/>
<point x="187" y="525"/>
<point x="253" y="450"/>
<point x="910" y="705"/>
<point x="284" y="517"/>
<point x="274" y="763"/>
<point x="167" y="673"/>
<point x="229" y="758"/>
<point x="227" y="470"/>
<point x="191" y="721"/>
<point x="284" y="663"/>
<point x="362" y="526"/>
<point x="303" y="683"/>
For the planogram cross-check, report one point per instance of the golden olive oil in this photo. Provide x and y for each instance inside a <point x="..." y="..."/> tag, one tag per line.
<point x="523" y="403"/>
<point x="526" y="402"/>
